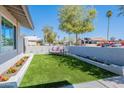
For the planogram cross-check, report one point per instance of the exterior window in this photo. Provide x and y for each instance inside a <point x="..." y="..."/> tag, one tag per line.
<point x="8" y="36"/>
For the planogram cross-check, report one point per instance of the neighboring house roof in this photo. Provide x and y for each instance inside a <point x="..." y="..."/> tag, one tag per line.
<point x="32" y="38"/>
<point x="21" y="13"/>
<point x="95" y="39"/>
<point x="98" y="39"/>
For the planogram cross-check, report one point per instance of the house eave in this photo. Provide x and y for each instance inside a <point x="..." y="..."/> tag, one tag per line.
<point x="22" y="15"/>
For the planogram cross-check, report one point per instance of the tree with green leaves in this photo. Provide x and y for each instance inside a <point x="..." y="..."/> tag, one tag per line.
<point x="76" y="19"/>
<point x="108" y="14"/>
<point x="49" y="34"/>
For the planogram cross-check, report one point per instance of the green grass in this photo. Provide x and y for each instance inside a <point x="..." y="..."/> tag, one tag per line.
<point x="47" y="70"/>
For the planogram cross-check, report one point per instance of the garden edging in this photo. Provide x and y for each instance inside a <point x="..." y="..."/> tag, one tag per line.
<point x="14" y="81"/>
<point x="112" y="68"/>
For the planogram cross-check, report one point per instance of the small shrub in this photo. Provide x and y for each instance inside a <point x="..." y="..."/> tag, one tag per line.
<point x="19" y="63"/>
<point x="122" y="43"/>
<point x="0" y="77"/>
<point x="98" y="44"/>
<point x="11" y="70"/>
<point x="24" y="59"/>
<point x="3" y="78"/>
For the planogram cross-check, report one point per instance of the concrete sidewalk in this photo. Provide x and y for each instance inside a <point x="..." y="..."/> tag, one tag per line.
<point x="93" y="84"/>
<point x="113" y="82"/>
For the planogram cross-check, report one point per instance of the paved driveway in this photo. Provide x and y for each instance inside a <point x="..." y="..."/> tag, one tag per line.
<point x="113" y="82"/>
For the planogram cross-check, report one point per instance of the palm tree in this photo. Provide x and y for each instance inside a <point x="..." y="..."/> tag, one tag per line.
<point x="108" y="14"/>
<point x="121" y="10"/>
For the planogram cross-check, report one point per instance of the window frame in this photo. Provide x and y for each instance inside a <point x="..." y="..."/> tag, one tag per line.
<point x="0" y="32"/>
<point x="14" y="33"/>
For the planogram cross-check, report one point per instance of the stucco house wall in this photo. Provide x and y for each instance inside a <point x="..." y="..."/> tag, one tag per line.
<point x="10" y="54"/>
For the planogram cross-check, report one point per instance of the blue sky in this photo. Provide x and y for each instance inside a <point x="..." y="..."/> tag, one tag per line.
<point x="47" y="15"/>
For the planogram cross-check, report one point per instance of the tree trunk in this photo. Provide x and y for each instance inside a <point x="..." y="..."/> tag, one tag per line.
<point x="108" y="29"/>
<point x="69" y="40"/>
<point x="84" y="42"/>
<point x="76" y="39"/>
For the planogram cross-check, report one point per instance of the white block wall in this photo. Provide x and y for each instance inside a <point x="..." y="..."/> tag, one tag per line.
<point x="108" y="55"/>
<point x="112" y="68"/>
<point x="38" y="49"/>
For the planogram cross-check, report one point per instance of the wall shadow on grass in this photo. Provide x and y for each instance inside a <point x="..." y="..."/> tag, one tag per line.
<point x="60" y="84"/>
<point x="74" y="63"/>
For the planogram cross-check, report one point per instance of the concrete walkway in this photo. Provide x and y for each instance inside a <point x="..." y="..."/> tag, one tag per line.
<point x="93" y="84"/>
<point x="113" y="82"/>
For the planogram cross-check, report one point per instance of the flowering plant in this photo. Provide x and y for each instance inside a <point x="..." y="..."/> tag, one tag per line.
<point x="19" y="63"/>
<point x="11" y="70"/>
<point x="3" y="78"/>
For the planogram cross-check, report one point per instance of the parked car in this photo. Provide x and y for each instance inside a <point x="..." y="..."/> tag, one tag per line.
<point x="106" y="45"/>
<point x="116" y="45"/>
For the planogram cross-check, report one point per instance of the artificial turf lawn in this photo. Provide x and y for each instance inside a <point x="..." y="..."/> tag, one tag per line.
<point x="45" y="69"/>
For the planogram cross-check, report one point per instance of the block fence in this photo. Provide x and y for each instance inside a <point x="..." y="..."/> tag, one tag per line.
<point x="106" y="55"/>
